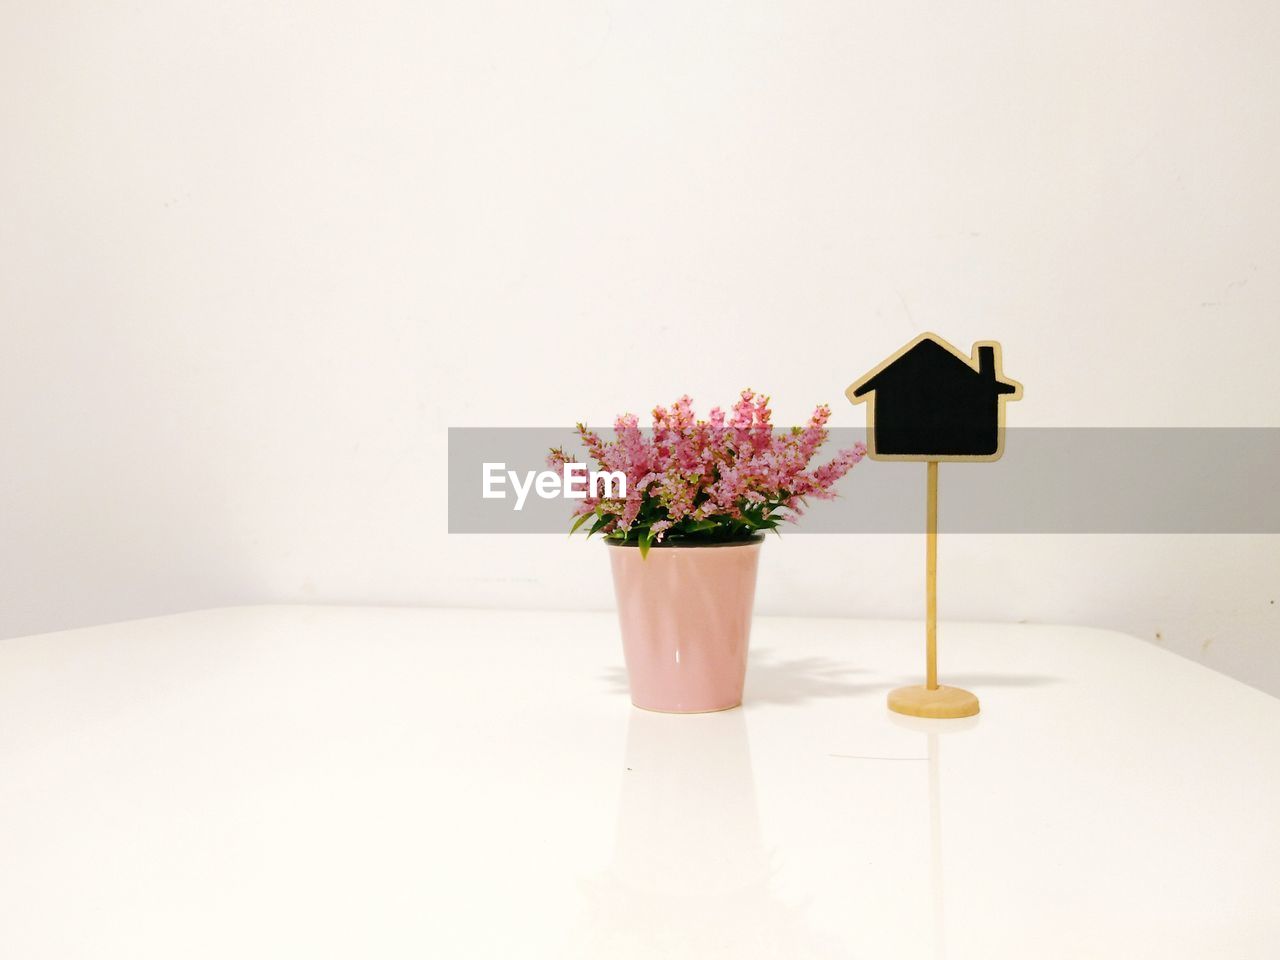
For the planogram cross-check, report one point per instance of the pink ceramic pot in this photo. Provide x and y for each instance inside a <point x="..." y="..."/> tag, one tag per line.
<point x="686" y="619"/>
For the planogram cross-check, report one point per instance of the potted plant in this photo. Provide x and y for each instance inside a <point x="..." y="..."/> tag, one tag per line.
<point x="684" y="540"/>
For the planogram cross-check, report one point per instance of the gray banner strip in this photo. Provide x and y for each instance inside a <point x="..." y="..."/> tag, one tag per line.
<point x="1051" y="480"/>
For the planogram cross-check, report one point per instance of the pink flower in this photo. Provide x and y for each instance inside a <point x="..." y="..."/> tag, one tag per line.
<point x="721" y="478"/>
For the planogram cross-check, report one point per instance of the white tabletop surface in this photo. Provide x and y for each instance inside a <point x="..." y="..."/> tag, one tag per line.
<point x="342" y="782"/>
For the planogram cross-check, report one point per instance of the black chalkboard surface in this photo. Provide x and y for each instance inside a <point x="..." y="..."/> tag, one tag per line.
<point x="931" y="402"/>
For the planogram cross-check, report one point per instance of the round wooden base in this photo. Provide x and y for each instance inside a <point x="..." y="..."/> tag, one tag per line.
<point x="944" y="703"/>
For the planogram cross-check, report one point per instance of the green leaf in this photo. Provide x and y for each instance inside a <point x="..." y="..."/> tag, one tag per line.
<point x="579" y="522"/>
<point x="646" y="539"/>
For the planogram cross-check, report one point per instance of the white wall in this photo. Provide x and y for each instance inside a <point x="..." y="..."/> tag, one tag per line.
<point x="254" y="258"/>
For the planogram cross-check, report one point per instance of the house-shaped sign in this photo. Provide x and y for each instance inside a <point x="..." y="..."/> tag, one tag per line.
<point x="931" y="402"/>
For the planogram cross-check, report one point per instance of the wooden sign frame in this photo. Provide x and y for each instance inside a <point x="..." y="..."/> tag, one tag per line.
<point x="863" y="390"/>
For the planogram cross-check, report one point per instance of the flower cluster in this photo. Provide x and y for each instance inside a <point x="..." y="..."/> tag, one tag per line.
<point x="721" y="479"/>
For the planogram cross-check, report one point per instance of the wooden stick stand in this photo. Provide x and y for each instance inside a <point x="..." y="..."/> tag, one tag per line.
<point x="932" y="700"/>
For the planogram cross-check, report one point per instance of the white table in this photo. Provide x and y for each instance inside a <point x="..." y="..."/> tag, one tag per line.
<point x="307" y="782"/>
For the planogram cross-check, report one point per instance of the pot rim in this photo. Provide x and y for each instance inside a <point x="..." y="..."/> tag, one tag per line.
<point x="753" y="541"/>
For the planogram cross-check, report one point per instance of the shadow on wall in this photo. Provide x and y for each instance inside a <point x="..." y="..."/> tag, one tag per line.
<point x="806" y="679"/>
<point x="973" y="680"/>
<point x="785" y="682"/>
